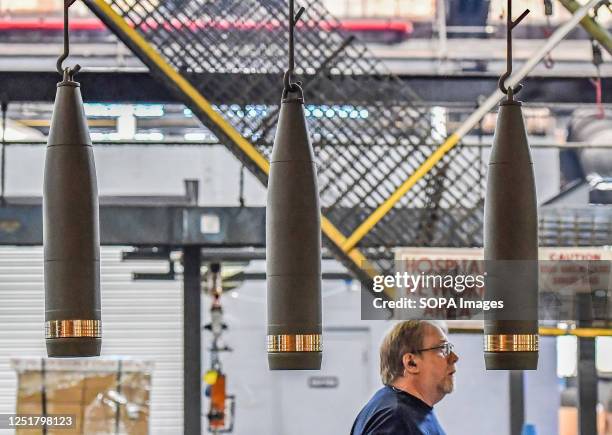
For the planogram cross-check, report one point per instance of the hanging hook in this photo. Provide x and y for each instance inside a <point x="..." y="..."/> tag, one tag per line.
<point x="548" y="61"/>
<point x="66" y="73"/>
<point x="509" y="27"/>
<point x="597" y="61"/>
<point x="289" y="85"/>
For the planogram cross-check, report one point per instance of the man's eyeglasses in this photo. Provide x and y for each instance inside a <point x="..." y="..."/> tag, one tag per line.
<point x="446" y="348"/>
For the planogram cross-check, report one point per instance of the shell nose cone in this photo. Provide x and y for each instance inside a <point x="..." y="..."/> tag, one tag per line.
<point x="69" y="123"/>
<point x="292" y="142"/>
<point x="510" y="218"/>
<point x="510" y="140"/>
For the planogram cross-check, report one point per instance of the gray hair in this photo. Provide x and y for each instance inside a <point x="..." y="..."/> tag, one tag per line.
<point x="405" y="337"/>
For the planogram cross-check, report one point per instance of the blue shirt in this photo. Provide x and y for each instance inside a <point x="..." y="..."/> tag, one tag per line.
<point x="395" y="412"/>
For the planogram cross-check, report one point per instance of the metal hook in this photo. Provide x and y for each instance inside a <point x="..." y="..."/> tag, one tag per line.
<point x="287" y="82"/>
<point x="510" y="26"/>
<point x="67" y="73"/>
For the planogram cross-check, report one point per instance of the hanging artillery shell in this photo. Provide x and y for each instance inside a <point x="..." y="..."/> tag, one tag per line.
<point x="511" y="247"/>
<point x="293" y="245"/>
<point x="71" y="232"/>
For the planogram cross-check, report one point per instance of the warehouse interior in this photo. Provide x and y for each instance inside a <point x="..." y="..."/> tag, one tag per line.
<point x="401" y="99"/>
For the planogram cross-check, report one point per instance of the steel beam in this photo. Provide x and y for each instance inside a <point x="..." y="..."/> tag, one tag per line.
<point x="171" y="221"/>
<point x="261" y="276"/>
<point x="517" y="401"/>
<point x="192" y="341"/>
<point x="139" y="86"/>
<point x="592" y="27"/>
<point x="132" y="221"/>
<point x="587" y="386"/>
<point x="586" y="369"/>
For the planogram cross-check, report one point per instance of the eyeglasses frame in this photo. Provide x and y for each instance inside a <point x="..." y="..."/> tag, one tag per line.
<point x="447" y="345"/>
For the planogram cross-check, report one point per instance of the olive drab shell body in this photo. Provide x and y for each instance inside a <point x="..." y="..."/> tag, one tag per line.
<point x="511" y="245"/>
<point x="293" y="245"/>
<point x="71" y="231"/>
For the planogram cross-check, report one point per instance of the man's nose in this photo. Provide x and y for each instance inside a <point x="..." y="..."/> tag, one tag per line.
<point x="453" y="357"/>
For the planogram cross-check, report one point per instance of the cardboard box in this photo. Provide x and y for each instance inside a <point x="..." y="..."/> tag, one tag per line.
<point x="105" y="396"/>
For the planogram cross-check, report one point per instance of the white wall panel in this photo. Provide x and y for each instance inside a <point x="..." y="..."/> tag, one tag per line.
<point x="142" y="320"/>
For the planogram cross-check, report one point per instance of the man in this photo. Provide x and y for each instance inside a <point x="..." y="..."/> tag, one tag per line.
<point x="417" y="364"/>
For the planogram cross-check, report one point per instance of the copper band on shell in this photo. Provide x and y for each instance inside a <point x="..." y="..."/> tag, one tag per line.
<point x="511" y="343"/>
<point x="294" y="343"/>
<point x="73" y="328"/>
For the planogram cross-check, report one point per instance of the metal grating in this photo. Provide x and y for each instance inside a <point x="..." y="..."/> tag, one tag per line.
<point x="370" y="133"/>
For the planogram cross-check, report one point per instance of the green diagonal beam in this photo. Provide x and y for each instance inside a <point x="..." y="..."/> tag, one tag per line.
<point x="597" y="32"/>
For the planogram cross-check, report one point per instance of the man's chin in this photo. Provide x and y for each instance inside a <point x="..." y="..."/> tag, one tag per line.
<point x="449" y="386"/>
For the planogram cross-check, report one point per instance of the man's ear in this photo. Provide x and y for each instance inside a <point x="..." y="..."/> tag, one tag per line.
<point x="410" y="363"/>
